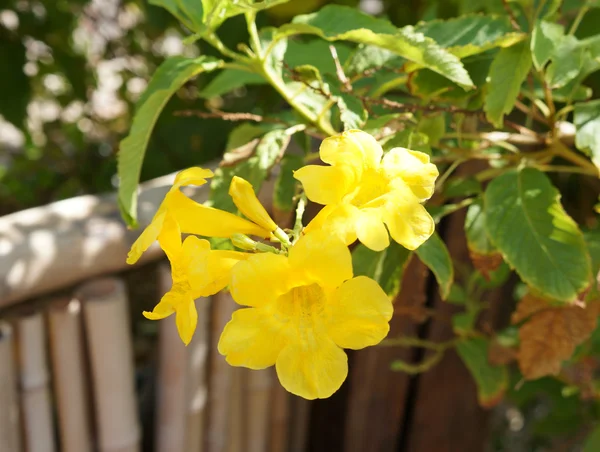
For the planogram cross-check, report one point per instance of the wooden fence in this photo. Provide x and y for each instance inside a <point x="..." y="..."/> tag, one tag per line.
<point x="67" y="367"/>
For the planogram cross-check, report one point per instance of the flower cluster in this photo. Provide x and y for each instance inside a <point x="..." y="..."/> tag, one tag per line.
<point x="302" y="304"/>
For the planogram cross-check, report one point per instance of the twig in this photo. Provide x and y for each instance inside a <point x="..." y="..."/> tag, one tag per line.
<point x="339" y="70"/>
<point x="522" y="129"/>
<point x="511" y="15"/>
<point x="530" y="111"/>
<point x="227" y="116"/>
<point x="391" y="104"/>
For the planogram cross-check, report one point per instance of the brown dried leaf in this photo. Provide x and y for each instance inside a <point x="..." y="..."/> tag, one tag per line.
<point x="550" y="336"/>
<point x="581" y="374"/>
<point x="528" y="305"/>
<point x="499" y="355"/>
<point x="485" y="263"/>
<point x="239" y="154"/>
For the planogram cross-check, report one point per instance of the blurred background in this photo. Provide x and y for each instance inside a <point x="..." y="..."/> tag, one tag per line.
<point x="70" y="74"/>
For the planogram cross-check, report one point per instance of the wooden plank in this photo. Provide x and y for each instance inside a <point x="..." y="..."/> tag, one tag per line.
<point x="110" y="352"/>
<point x="69" y="375"/>
<point x="10" y="425"/>
<point x="377" y="395"/>
<point x="445" y="415"/>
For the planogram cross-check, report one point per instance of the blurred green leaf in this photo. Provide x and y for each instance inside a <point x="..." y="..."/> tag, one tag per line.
<point x="15" y="90"/>
<point x="566" y="62"/>
<point x="386" y="267"/>
<point x="285" y="185"/>
<point x="587" y="122"/>
<point x="335" y="22"/>
<point x="229" y="79"/>
<point x="592" y="442"/>
<point x="253" y="167"/>
<point x="528" y="225"/>
<point x="167" y="79"/>
<point x="492" y="381"/>
<point x="471" y="34"/>
<point x="507" y="73"/>
<point x="435" y="255"/>
<point x="544" y="39"/>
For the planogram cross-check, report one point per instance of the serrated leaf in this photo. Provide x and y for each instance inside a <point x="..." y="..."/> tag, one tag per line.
<point x="254" y="169"/>
<point x="566" y="62"/>
<point x="550" y="334"/>
<point x="587" y="123"/>
<point x="471" y="34"/>
<point x="491" y="380"/>
<point x="528" y="225"/>
<point x="285" y="185"/>
<point x="334" y="22"/>
<point x="435" y="255"/>
<point x="386" y="267"/>
<point x="507" y="73"/>
<point x="544" y="38"/>
<point x="167" y="79"/>
<point x="228" y="80"/>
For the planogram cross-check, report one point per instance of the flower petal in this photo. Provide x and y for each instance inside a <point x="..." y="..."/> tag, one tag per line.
<point x="371" y="231"/>
<point x="414" y="168"/>
<point x="409" y="224"/>
<point x="354" y="147"/>
<point x="191" y="176"/>
<point x="245" y="199"/>
<point x="322" y="257"/>
<point x="260" y="279"/>
<point x="360" y="312"/>
<point x="325" y="184"/>
<point x="194" y="218"/>
<point x="146" y="238"/>
<point x="186" y="319"/>
<point x="169" y="238"/>
<point x="313" y="368"/>
<point x="252" y="338"/>
<point x="163" y="309"/>
<point x="339" y="220"/>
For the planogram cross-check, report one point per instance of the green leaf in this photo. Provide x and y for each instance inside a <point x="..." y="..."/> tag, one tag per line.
<point x="592" y="240"/>
<point x="492" y="381"/>
<point x="254" y="169"/>
<point x="175" y="8"/>
<point x="587" y="123"/>
<point x="508" y="71"/>
<point x="334" y="22"/>
<point x="433" y="126"/>
<point x="386" y="267"/>
<point x="463" y="323"/>
<point x="592" y="442"/>
<point x="435" y="255"/>
<point x="462" y="187"/>
<point x="352" y="112"/>
<point x="567" y="62"/>
<point x="285" y="185"/>
<point x="167" y="79"/>
<point x="228" y="80"/>
<point x="528" y="225"/>
<point x="471" y="34"/>
<point x="544" y="38"/>
<point x="477" y="237"/>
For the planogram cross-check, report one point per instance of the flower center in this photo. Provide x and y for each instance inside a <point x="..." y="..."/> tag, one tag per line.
<point x="373" y="184"/>
<point x="302" y="303"/>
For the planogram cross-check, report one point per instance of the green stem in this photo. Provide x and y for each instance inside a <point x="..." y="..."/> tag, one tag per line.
<point x="561" y="150"/>
<point x="409" y="341"/>
<point x="442" y="179"/>
<point x="214" y="40"/>
<point x="578" y="19"/>
<point x="423" y="366"/>
<point x="567" y="169"/>
<point x="253" y="32"/>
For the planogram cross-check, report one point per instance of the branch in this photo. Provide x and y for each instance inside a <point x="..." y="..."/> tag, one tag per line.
<point x="511" y="15"/>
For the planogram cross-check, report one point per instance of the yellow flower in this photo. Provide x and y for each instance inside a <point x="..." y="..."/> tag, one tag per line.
<point x="304" y="309"/>
<point x="191" y="217"/>
<point x="197" y="271"/>
<point x="363" y="192"/>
